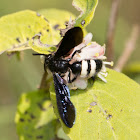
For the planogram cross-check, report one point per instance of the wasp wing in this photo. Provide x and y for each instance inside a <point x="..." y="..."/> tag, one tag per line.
<point x="65" y="107"/>
<point x="72" y="38"/>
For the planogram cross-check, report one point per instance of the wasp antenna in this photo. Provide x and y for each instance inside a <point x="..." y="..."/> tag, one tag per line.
<point x="37" y="54"/>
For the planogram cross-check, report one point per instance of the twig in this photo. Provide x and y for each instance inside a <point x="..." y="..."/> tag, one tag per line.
<point x="46" y="81"/>
<point x="111" y="29"/>
<point x="129" y="48"/>
<point x="43" y="84"/>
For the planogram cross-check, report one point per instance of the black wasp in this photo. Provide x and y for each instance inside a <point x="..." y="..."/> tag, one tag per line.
<point x="58" y="65"/>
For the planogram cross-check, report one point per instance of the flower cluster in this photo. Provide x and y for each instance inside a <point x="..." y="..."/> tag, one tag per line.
<point x="89" y="50"/>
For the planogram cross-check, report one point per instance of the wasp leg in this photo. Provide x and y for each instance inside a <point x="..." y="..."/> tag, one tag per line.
<point x="69" y="77"/>
<point x="37" y="54"/>
<point x="93" y="78"/>
<point x="77" y="51"/>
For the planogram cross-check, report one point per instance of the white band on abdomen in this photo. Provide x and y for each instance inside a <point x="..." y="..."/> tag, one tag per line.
<point x="93" y="68"/>
<point x="84" y="68"/>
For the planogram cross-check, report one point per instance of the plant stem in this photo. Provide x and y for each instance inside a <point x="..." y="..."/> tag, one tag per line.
<point x="111" y="30"/>
<point x="43" y="83"/>
<point x="46" y="81"/>
<point x="129" y="48"/>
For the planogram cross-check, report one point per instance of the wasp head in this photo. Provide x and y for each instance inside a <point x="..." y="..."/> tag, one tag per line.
<point x="47" y="60"/>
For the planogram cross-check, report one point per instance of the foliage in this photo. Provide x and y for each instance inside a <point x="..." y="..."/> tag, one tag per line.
<point x="23" y="26"/>
<point x="104" y="110"/>
<point x="35" y="118"/>
<point x="132" y="68"/>
<point x="87" y="9"/>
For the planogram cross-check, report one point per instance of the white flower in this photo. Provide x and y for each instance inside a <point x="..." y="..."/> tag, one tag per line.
<point x="88" y="51"/>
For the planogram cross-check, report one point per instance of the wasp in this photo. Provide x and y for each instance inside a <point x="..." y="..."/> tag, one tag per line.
<point x="66" y="71"/>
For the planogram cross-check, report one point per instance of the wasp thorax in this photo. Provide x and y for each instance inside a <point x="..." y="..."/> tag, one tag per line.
<point x="58" y="65"/>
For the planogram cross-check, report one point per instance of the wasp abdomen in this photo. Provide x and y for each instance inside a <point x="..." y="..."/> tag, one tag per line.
<point x="86" y="68"/>
<point x="76" y="68"/>
<point x="99" y="65"/>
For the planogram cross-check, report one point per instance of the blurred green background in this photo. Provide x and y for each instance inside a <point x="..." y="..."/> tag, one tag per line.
<point x="17" y="77"/>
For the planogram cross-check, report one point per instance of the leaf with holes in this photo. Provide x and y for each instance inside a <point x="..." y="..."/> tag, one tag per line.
<point x="105" y="110"/>
<point x="58" y="19"/>
<point x="54" y="16"/>
<point x="17" y="35"/>
<point x="35" y="118"/>
<point x="18" y="28"/>
<point x="87" y="9"/>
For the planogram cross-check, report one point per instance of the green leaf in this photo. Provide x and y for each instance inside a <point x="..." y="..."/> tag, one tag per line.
<point x="35" y="118"/>
<point x="17" y="35"/>
<point x="133" y="71"/>
<point x="18" y="28"/>
<point x="62" y="135"/>
<point x="57" y="18"/>
<point x="105" y="110"/>
<point x="87" y="9"/>
<point x="132" y="68"/>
